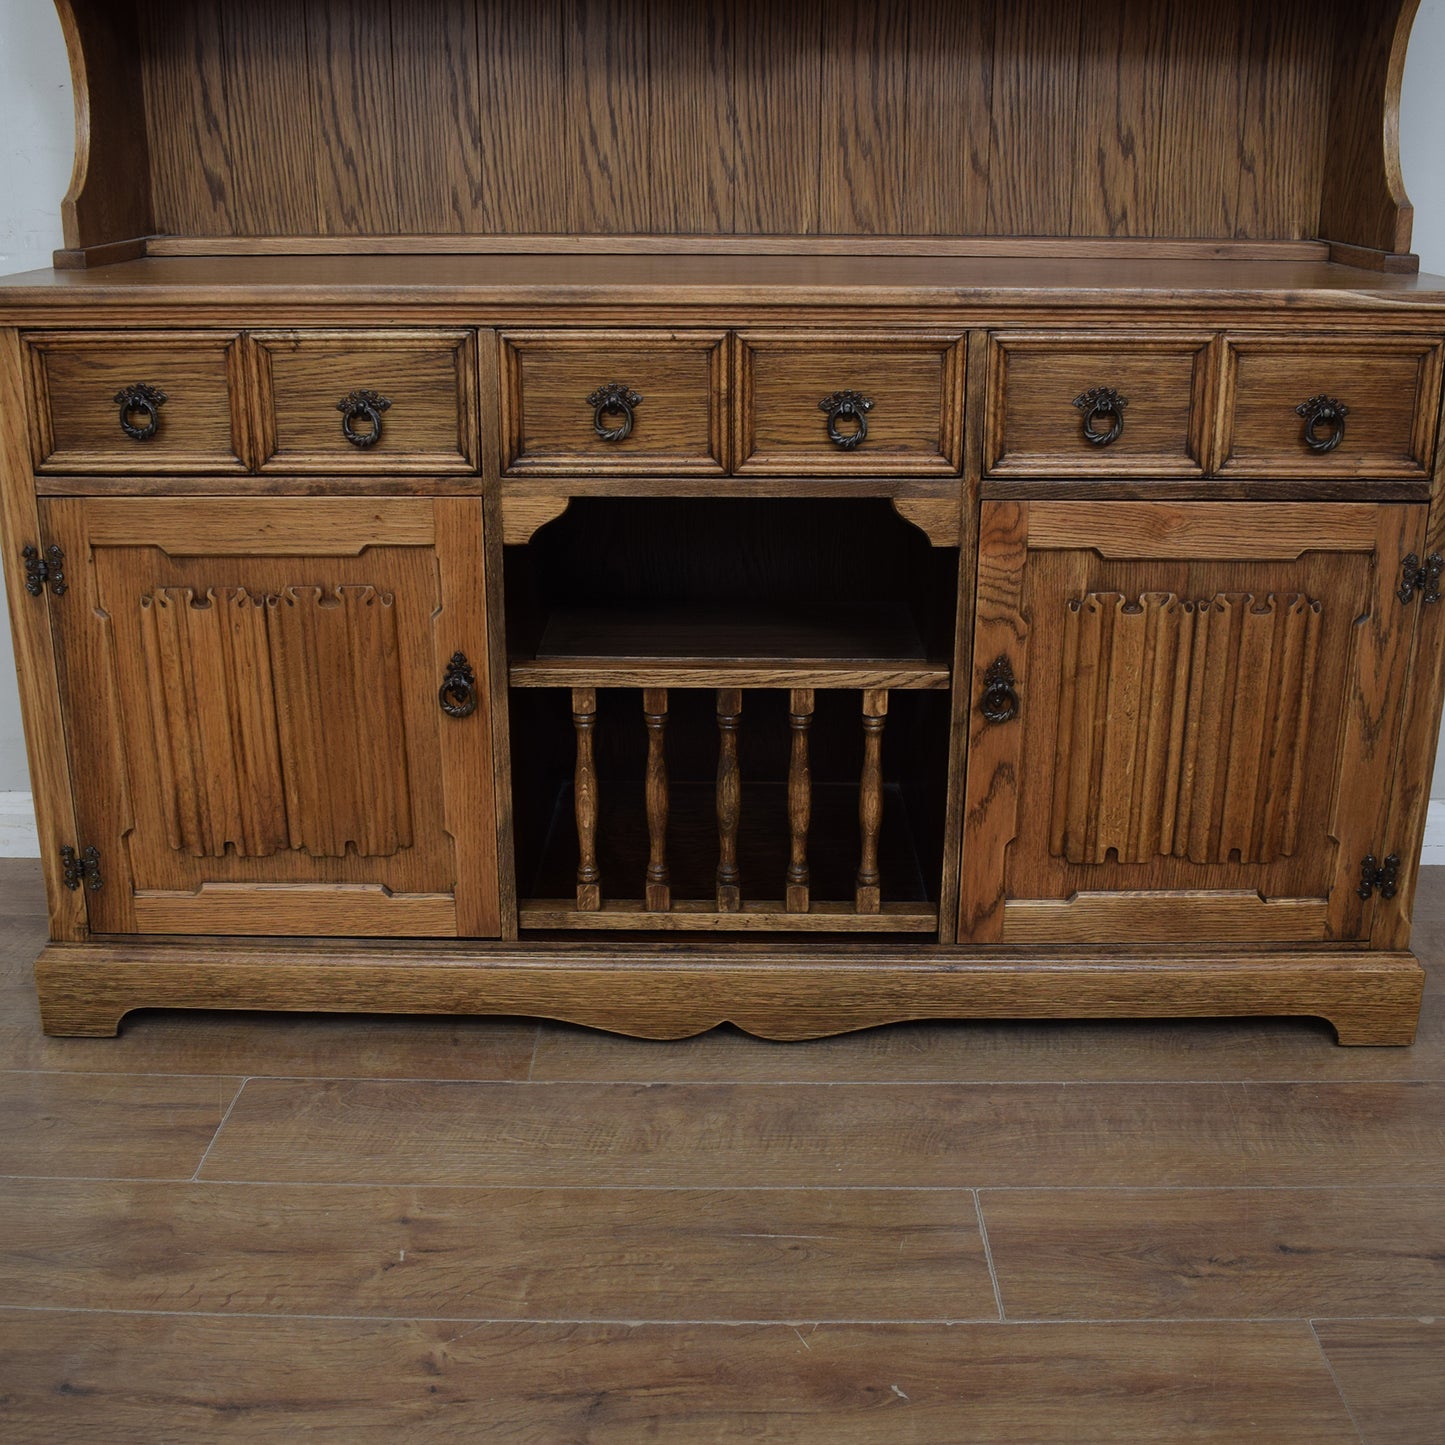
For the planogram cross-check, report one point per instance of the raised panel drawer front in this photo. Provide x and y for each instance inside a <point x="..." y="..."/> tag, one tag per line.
<point x="1330" y="406"/>
<point x="1073" y="404"/>
<point x="280" y="713"/>
<point x="1184" y="719"/>
<point x="578" y="403"/>
<point x="355" y="402"/>
<point x="849" y="405"/>
<point x="137" y="402"/>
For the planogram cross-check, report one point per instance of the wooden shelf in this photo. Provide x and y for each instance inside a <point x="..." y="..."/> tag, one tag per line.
<point x="863" y="647"/>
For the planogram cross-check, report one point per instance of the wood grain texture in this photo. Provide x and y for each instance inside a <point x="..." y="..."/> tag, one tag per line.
<point x="658" y="1254"/>
<point x="1390" y="387"/>
<point x="427" y="378"/>
<point x="40" y="704"/>
<point x="912" y="381"/>
<point x="1391" y="1373"/>
<point x="1148" y="120"/>
<point x="550" y="427"/>
<point x="614" y="1384"/>
<point x="1036" y="428"/>
<point x="127" y="1127"/>
<point x="200" y="424"/>
<point x="109" y="199"/>
<point x="1232" y="1253"/>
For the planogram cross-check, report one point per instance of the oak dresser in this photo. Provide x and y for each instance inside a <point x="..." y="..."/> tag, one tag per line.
<point x="806" y="514"/>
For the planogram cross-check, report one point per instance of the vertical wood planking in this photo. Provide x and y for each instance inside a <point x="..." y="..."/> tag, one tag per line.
<point x="271" y="130"/>
<point x="729" y="800"/>
<point x="654" y="711"/>
<point x="864" y="88"/>
<point x="1035" y="118"/>
<point x="1199" y="159"/>
<point x="184" y="83"/>
<point x="777" y="92"/>
<point x="1283" y="72"/>
<point x="946" y="118"/>
<point x="352" y="76"/>
<point x="800" y="798"/>
<point x="438" y="132"/>
<point x="523" y="130"/>
<point x="584" y="793"/>
<point x="606" y="155"/>
<point x="868" y="897"/>
<point x="1121" y="118"/>
<point x="693" y="175"/>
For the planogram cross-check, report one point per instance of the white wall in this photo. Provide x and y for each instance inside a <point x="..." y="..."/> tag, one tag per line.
<point x="36" y="131"/>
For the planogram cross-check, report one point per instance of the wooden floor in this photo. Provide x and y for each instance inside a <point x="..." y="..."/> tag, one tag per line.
<point x="259" y="1228"/>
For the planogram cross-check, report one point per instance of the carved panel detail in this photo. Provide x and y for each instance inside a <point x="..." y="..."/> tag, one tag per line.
<point x="277" y="720"/>
<point x="1183" y="727"/>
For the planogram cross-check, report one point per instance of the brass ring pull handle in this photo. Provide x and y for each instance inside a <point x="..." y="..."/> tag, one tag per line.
<point x="458" y="693"/>
<point x="363" y="406"/>
<point x="1102" y="404"/>
<point x="612" y="410"/>
<point x="1000" y="700"/>
<point x="853" y="405"/>
<point x="141" y="401"/>
<point x="1324" y="427"/>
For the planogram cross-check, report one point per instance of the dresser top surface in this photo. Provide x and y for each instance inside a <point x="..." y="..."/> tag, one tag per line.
<point x="637" y="281"/>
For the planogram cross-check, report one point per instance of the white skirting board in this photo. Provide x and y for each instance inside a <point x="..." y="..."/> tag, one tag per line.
<point x="18" y="838"/>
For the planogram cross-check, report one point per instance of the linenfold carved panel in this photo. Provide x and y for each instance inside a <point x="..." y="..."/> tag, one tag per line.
<point x="277" y="720"/>
<point x="1183" y="726"/>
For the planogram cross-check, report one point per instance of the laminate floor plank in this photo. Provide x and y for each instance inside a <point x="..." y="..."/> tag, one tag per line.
<point x="728" y="1135"/>
<point x="501" y="1254"/>
<point x="1392" y="1374"/>
<point x="1232" y="1253"/>
<point x="809" y="1135"/>
<point x="115" y="1126"/>
<point x="965" y="1051"/>
<point x="159" y="1379"/>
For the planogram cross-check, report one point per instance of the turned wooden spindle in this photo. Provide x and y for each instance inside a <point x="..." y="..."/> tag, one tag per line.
<point x="584" y="722"/>
<point x="729" y="800"/>
<point x="868" y="898"/>
<point x="800" y="798"/>
<point x="654" y="712"/>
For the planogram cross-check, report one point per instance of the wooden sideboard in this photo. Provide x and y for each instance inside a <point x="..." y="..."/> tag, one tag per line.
<point x="806" y="515"/>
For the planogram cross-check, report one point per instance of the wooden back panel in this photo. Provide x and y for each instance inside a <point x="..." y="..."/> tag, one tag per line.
<point x="1137" y="118"/>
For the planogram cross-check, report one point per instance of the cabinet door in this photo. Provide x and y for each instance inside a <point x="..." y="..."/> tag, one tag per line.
<point x="251" y="691"/>
<point x="1184" y="719"/>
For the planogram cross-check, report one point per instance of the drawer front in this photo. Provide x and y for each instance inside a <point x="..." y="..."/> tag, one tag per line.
<point x="1329" y="407"/>
<point x="1067" y="405"/>
<point x="584" y="402"/>
<point x="136" y="402"/>
<point x="837" y="405"/>
<point x="354" y="402"/>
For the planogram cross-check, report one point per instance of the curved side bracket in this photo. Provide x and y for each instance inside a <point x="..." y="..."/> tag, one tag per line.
<point x="523" y="517"/>
<point x="109" y="200"/>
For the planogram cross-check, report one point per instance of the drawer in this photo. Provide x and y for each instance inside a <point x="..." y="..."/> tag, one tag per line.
<point x="837" y="405"/>
<point x="366" y="401"/>
<point x="584" y="402"/>
<point x="136" y="401"/>
<point x="1078" y="404"/>
<point x="1329" y="406"/>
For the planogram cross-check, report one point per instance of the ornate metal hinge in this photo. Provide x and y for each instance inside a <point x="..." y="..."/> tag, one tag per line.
<point x="84" y="869"/>
<point x="1375" y="875"/>
<point x="1424" y="580"/>
<point x="42" y="570"/>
